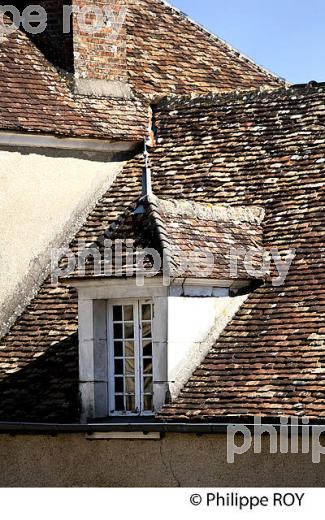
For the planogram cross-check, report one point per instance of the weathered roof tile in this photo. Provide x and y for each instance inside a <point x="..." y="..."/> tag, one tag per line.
<point x="35" y="98"/>
<point x="270" y="360"/>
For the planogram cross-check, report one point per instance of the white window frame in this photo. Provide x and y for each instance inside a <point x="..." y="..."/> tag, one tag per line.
<point x="138" y="357"/>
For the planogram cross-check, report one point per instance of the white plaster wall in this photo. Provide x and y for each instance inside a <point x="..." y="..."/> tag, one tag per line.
<point x="194" y="324"/>
<point x="44" y="198"/>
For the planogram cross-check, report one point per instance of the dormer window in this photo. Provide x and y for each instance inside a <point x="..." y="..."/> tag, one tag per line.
<point x="144" y="326"/>
<point x="130" y="358"/>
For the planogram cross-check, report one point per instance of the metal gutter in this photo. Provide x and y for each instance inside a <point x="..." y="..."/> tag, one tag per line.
<point x="149" y="427"/>
<point x="158" y="427"/>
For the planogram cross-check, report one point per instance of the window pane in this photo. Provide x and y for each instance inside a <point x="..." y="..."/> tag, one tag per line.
<point x="128" y="330"/>
<point x="118" y="367"/>
<point x="118" y="331"/>
<point x="147" y="348"/>
<point x="147" y="385"/>
<point x="119" y="385"/>
<point x="133" y="364"/>
<point x="148" y="403"/>
<point x="129" y="385"/>
<point x="129" y="348"/>
<point x="118" y="348"/>
<point x="130" y="403"/>
<point x="117" y="313"/>
<point x="119" y="403"/>
<point x="129" y="366"/>
<point x="128" y="313"/>
<point x="146" y="312"/>
<point x="147" y="366"/>
<point x="146" y="330"/>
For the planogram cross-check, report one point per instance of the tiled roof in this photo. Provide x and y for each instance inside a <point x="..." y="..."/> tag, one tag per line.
<point x="168" y="53"/>
<point x="262" y="148"/>
<point x="35" y="98"/>
<point x="195" y="233"/>
<point x="192" y="240"/>
<point x="268" y="149"/>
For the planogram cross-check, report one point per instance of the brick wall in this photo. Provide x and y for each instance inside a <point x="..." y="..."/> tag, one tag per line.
<point x="101" y="55"/>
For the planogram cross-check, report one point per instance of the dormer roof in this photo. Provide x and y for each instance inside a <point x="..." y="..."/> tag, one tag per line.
<point x="194" y="241"/>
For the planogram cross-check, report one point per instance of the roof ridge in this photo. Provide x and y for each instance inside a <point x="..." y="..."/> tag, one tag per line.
<point x="153" y="203"/>
<point x="232" y="49"/>
<point x="213" y="212"/>
<point x="212" y="96"/>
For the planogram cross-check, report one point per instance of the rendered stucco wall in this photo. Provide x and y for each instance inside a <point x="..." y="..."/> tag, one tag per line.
<point x="45" y="196"/>
<point x="177" y="460"/>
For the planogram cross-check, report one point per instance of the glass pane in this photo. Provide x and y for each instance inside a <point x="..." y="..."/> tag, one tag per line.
<point x="147" y="385"/>
<point x="129" y="367"/>
<point x="129" y="385"/>
<point x="148" y="403"/>
<point x="126" y="361"/>
<point x="146" y="330"/>
<point x="147" y="366"/>
<point x="119" y="385"/>
<point x="128" y="330"/>
<point x="118" y="367"/>
<point x="118" y="331"/>
<point x="119" y="403"/>
<point x="146" y="312"/>
<point x="117" y="313"/>
<point x="118" y="348"/>
<point x="147" y="348"/>
<point x="128" y="313"/>
<point x="130" y="403"/>
<point x="129" y="348"/>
